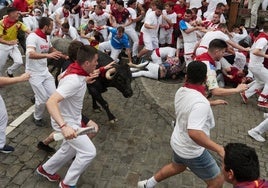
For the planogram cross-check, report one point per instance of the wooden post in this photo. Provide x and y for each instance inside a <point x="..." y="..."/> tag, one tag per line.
<point x="233" y="13"/>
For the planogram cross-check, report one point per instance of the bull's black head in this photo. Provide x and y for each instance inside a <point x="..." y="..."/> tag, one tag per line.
<point x="121" y="79"/>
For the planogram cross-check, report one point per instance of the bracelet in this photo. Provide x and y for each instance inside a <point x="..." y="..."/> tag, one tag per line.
<point x="63" y="125"/>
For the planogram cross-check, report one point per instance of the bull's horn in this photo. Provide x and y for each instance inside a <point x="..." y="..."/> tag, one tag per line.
<point x="109" y="73"/>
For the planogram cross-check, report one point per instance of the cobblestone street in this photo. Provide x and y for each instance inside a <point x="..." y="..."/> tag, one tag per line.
<point x="129" y="150"/>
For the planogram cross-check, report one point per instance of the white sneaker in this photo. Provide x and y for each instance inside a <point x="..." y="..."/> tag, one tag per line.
<point x="265" y="115"/>
<point x="256" y="136"/>
<point x="142" y="184"/>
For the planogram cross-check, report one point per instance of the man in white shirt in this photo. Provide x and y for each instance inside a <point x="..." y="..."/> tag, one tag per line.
<point x="150" y="31"/>
<point x="212" y="4"/>
<point x="60" y="16"/>
<point x="38" y="49"/>
<point x="65" y="107"/>
<point x="160" y="55"/>
<point x="169" y="18"/>
<point x="54" y="5"/>
<point x="68" y="32"/>
<point x="32" y="21"/>
<point x="190" y="139"/>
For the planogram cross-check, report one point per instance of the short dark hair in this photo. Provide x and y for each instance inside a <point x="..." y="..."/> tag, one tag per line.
<point x="65" y="25"/>
<point x="217" y="44"/>
<point x="91" y="22"/>
<point x="196" y="72"/>
<point x="120" y="2"/>
<point x="73" y="49"/>
<point x="243" y="161"/>
<point x="170" y="3"/>
<point x="86" y="53"/>
<point x="220" y="5"/>
<point x="159" y="5"/>
<point x="121" y="29"/>
<point x="44" y="21"/>
<point x="11" y="9"/>
<point x="221" y="25"/>
<point x="188" y="11"/>
<point x="130" y="2"/>
<point x="66" y="6"/>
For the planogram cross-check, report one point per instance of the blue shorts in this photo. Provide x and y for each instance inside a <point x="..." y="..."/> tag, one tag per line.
<point x="204" y="166"/>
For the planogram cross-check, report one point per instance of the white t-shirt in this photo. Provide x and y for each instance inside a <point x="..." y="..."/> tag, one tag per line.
<point x="58" y="12"/>
<point x="194" y="3"/>
<point x="154" y="20"/>
<point x="190" y="37"/>
<point x="172" y="17"/>
<point x="72" y="88"/>
<point x="256" y="61"/>
<point x="52" y="8"/>
<point x="212" y="6"/>
<point x="85" y="5"/>
<point x="222" y="18"/>
<point x="133" y="15"/>
<point x="166" y="52"/>
<point x="41" y="46"/>
<point x="100" y="20"/>
<point x="237" y="37"/>
<point x="211" y="35"/>
<point x="193" y="111"/>
<point x="31" y="22"/>
<point x="72" y="34"/>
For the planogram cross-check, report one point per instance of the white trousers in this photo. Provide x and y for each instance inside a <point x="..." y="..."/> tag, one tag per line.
<point x="43" y="87"/>
<point x="3" y="122"/>
<point x="74" y="20"/>
<point x="254" y="6"/>
<point x="106" y="46"/>
<point x="104" y="33"/>
<point x="264" y="4"/>
<point x="262" y="127"/>
<point x="165" y="36"/>
<point x="83" y="150"/>
<point x="130" y="31"/>
<point x="261" y="81"/>
<point x="151" y="73"/>
<point x="14" y="53"/>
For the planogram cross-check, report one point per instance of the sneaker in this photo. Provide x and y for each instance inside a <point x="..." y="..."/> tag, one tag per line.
<point x="62" y="185"/>
<point x="244" y="98"/>
<point x="7" y="149"/>
<point x="256" y="136"/>
<point x="10" y="75"/>
<point x="265" y="115"/>
<point x="50" y="177"/>
<point x="263" y="104"/>
<point x="39" y="123"/>
<point x="45" y="147"/>
<point x="142" y="184"/>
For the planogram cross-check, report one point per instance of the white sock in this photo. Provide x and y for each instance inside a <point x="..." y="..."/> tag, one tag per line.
<point x="151" y="182"/>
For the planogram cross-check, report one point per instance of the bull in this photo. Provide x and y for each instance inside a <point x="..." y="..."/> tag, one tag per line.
<point x="118" y="77"/>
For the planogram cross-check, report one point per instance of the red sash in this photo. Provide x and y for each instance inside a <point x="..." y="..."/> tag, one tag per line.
<point x="157" y="52"/>
<point x="261" y="35"/>
<point x="206" y="57"/>
<point x="7" y="23"/>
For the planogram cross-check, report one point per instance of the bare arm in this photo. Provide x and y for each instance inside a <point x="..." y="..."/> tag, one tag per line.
<point x="258" y="52"/>
<point x="203" y="140"/>
<point x="35" y="55"/>
<point x="229" y="91"/>
<point x="237" y="46"/>
<point x="54" y="111"/>
<point x="8" y="81"/>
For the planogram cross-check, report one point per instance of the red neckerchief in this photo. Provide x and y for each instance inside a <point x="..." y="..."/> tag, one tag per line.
<point x="206" y="57"/>
<point x="75" y="68"/>
<point x="65" y="14"/>
<point x="101" y="13"/>
<point x="200" y="88"/>
<point x="8" y="23"/>
<point x="157" y="52"/>
<point x="261" y="35"/>
<point x="41" y="34"/>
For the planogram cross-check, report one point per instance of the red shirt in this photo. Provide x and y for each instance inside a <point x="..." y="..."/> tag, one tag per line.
<point x="252" y="184"/>
<point x="120" y="17"/>
<point x="21" y="5"/>
<point x="179" y="10"/>
<point x="236" y="78"/>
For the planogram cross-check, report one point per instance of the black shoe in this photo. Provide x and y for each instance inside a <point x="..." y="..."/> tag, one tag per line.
<point x="39" y="123"/>
<point x="33" y="99"/>
<point x="45" y="147"/>
<point x="7" y="149"/>
<point x="10" y="75"/>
